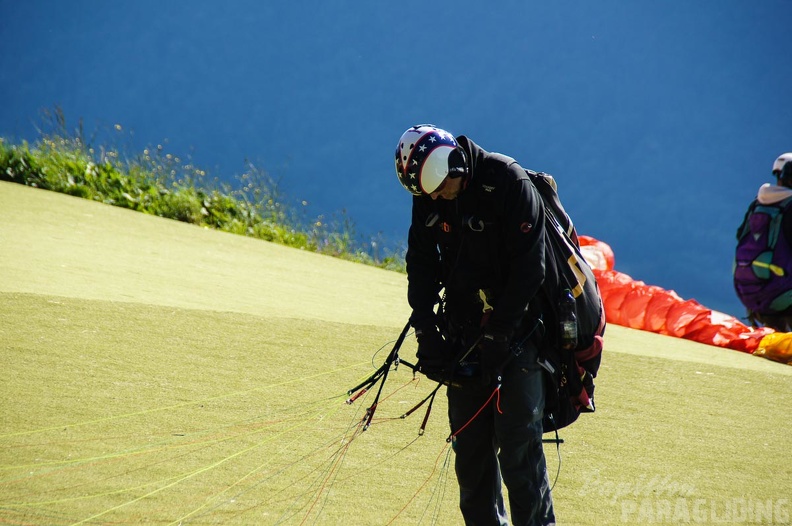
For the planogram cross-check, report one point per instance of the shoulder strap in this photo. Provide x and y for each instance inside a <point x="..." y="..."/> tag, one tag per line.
<point x="743" y="229"/>
<point x="775" y="226"/>
<point x="548" y="189"/>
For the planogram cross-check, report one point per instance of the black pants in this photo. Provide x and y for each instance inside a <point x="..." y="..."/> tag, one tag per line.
<point x="502" y="446"/>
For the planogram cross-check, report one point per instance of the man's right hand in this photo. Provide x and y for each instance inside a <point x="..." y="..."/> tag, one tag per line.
<point x="433" y="358"/>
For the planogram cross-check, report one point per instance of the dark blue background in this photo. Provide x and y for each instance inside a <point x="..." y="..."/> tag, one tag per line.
<point x="659" y="119"/>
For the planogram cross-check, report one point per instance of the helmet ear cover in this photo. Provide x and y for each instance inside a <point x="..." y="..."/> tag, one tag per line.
<point x="457" y="163"/>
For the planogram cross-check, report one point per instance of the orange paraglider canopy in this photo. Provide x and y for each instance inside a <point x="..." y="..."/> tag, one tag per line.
<point x="634" y="304"/>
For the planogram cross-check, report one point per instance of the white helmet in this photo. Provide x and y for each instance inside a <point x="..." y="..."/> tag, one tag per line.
<point x="779" y="163"/>
<point x="422" y="158"/>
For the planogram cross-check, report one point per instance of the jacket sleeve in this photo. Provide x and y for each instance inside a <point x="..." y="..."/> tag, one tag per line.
<point x="522" y="254"/>
<point x="423" y="265"/>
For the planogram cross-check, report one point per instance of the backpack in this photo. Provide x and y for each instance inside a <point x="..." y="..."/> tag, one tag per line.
<point x="570" y="372"/>
<point x="761" y="270"/>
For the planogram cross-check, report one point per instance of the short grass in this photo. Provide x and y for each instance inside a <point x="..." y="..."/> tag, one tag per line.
<point x="159" y="373"/>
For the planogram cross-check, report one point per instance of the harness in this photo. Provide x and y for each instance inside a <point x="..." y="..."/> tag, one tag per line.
<point x="763" y="259"/>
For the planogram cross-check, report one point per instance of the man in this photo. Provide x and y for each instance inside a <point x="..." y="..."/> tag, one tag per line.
<point x="477" y="235"/>
<point x="763" y="262"/>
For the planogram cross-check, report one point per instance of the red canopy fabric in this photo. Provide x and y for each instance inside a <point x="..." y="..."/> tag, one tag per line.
<point x="632" y="303"/>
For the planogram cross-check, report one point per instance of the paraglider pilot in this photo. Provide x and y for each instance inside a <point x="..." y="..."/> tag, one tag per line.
<point x="477" y="235"/>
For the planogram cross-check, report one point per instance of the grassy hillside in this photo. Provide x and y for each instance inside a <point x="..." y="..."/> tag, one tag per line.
<point x="157" y="182"/>
<point x="157" y="372"/>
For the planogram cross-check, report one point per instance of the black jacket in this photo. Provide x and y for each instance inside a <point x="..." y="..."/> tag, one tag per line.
<point x="490" y="238"/>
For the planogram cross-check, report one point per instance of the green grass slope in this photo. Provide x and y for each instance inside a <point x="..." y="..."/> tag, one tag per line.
<point x="154" y="372"/>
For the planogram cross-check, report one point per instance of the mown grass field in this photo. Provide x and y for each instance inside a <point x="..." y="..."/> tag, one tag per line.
<point x="154" y="372"/>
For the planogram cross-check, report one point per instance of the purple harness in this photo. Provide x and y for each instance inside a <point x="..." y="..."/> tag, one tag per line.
<point x="763" y="259"/>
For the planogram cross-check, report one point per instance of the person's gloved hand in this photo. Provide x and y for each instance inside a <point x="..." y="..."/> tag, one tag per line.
<point x="494" y="353"/>
<point x="432" y="351"/>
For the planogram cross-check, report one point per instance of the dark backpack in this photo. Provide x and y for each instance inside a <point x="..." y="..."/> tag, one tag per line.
<point x="762" y="273"/>
<point x="570" y="372"/>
